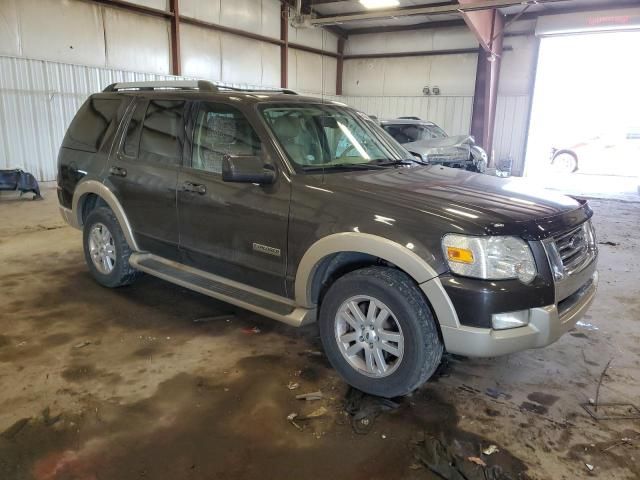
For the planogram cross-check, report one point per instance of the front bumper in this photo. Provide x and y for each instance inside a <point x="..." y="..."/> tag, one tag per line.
<point x="546" y="325"/>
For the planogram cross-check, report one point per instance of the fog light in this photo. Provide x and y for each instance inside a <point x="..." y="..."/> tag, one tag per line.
<point x="502" y="321"/>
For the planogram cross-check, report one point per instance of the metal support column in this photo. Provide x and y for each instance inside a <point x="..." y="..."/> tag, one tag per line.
<point x="284" y="47"/>
<point x="340" y="66"/>
<point x="174" y="8"/>
<point x="487" y="25"/>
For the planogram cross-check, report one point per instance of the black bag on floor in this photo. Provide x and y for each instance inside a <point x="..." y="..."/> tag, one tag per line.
<point x="19" y="180"/>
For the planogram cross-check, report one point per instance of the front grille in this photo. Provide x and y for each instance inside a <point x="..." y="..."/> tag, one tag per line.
<point x="575" y="247"/>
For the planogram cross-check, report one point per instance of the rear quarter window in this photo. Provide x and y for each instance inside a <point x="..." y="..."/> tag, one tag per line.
<point x="90" y="125"/>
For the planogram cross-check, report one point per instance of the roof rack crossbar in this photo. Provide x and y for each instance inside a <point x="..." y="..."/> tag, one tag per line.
<point x="201" y="85"/>
<point x="286" y="91"/>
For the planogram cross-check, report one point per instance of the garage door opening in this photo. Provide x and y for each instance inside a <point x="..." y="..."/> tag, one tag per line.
<point x="584" y="135"/>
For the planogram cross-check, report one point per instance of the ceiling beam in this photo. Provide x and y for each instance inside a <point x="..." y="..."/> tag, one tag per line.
<point x="422" y="53"/>
<point x="425" y="10"/>
<point x="611" y="6"/>
<point x="402" y="28"/>
<point x="314" y="3"/>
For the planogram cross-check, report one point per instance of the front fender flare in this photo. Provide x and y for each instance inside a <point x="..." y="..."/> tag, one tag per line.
<point x="388" y="250"/>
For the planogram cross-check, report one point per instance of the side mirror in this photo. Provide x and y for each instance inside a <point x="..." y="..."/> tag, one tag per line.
<point x="247" y="169"/>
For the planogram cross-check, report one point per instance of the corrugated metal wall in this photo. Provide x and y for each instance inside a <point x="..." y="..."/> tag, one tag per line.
<point x="38" y="101"/>
<point x="451" y="113"/>
<point x="510" y="133"/>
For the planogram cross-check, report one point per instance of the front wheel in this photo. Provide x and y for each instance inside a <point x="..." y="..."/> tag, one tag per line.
<point x="378" y="332"/>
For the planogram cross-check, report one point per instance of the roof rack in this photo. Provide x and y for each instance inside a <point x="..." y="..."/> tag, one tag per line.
<point x="286" y="91"/>
<point x="201" y="85"/>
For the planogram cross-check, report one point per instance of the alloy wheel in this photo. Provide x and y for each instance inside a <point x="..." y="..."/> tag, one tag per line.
<point x="369" y="336"/>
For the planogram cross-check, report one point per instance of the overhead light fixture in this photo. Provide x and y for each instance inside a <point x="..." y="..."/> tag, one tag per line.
<point x="373" y="4"/>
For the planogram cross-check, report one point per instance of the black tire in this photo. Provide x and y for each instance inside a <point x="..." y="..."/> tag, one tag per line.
<point x="122" y="273"/>
<point x="422" y="345"/>
<point x="565" y="161"/>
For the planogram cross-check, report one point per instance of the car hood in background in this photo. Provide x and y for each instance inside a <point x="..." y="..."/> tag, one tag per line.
<point x="456" y="141"/>
<point x="498" y="206"/>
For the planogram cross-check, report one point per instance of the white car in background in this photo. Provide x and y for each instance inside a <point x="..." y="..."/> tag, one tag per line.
<point x="616" y="153"/>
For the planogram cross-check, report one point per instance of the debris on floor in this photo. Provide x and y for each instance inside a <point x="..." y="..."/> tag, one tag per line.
<point x="447" y="460"/>
<point x="82" y="344"/>
<point x="251" y="331"/>
<point x="215" y="318"/>
<point x="318" y="412"/>
<point x="364" y="409"/>
<point x="310" y="396"/>
<point x="21" y="181"/>
<point x="497" y="393"/>
<point x="477" y="461"/>
<point x="490" y="450"/>
<point x="611" y="244"/>
<point x="293" y="385"/>
<point x="612" y="411"/>
<point x="623" y="441"/>
<point x="314" y="353"/>
<point x="292" y="420"/>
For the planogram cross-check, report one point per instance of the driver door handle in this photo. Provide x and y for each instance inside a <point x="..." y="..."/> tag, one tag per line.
<point x="194" y="188"/>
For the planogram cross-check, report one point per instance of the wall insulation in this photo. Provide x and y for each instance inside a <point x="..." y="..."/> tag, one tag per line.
<point x="38" y="99"/>
<point x="37" y="102"/>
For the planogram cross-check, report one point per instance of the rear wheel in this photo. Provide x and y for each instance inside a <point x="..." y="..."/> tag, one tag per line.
<point x="106" y="250"/>
<point x="378" y="332"/>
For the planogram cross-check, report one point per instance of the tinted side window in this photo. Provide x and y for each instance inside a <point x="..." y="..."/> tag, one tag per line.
<point x="90" y="125"/>
<point x="132" y="137"/>
<point x="221" y="130"/>
<point x="160" y="139"/>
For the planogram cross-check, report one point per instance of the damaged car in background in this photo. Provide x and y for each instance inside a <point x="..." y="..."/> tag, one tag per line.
<point x="430" y="143"/>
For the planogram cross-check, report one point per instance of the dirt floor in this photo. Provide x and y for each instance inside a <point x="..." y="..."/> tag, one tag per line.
<point x="153" y="381"/>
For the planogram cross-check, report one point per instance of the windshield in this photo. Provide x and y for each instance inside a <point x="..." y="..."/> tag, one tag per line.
<point x="330" y="137"/>
<point x="407" y="133"/>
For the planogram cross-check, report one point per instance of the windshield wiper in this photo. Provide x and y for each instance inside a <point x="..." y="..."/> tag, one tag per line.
<point x="417" y="160"/>
<point x="405" y="161"/>
<point x="344" y="166"/>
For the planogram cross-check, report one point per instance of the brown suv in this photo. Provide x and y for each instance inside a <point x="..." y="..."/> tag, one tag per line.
<point x="302" y="209"/>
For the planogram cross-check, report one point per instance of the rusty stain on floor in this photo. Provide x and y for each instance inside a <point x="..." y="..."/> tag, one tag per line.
<point x="154" y="381"/>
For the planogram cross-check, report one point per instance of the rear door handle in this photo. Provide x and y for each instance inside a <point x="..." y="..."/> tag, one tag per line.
<point x="118" y="171"/>
<point x="194" y="187"/>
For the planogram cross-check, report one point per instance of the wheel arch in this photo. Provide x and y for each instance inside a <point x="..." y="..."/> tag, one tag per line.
<point x="85" y="192"/>
<point x="566" y="151"/>
<point x="353" y="248"/>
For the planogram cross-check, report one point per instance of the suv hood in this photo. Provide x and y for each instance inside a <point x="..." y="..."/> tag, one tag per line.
<point x="494" y="205"/>
<point x="454" y="141"/>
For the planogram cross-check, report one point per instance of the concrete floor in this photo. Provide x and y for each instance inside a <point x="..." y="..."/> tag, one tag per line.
<point x="142" y="382"/>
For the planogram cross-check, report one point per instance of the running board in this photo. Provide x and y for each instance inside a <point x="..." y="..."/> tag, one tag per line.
<point x="220" y="288"/>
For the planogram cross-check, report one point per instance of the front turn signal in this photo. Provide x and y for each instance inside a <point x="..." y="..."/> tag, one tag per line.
<point x="460" y="255"/>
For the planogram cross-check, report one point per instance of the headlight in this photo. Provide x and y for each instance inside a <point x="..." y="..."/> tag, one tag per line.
<point x="489" y="258"/>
